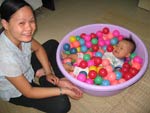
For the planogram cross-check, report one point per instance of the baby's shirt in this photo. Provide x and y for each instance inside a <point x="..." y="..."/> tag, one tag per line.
<point x="115" y="62"/>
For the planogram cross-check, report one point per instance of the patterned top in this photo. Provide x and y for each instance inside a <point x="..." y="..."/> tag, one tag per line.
<point x="115" y="62"/>
<point x="13" y="62"/>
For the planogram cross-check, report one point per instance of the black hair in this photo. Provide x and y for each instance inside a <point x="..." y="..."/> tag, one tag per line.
<point x="9" y="7"/>
<point x="130" y="39"/>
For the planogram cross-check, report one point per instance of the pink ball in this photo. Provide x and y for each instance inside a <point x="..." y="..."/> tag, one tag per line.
<point x="107" y="42"/>
<point x="114" y="82"/>
<point x="78" y="61"/>
<point x="136" y="65"/>
<point x="81" y="77"/>
<point x="87" y="38"/>
<point x="109" y="68"/>
<point x="110" y="36"/>
<point x="105" y="62"/>
<point x="111" y="76"/>
<point x="88" y="44"/>
<point x="120" y="37"/>
<point x="89" y="81"/>
<point x="90" y="63"/>
<point x="101" y="42"/>
<point x="99" y="34"/>
<point x="138" y="59"/>
<point x="116" y="33"/>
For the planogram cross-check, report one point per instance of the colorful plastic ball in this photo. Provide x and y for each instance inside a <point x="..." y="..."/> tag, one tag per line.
<point x="114" y="41"/>
<point x="105" y="30"/>
<point x="88" y="44"/>
<point x="114" y="82"/>
<point x="105" y="62"/>
<point x="90" y="53"/>
<point x="86" y="57"/>
<point x="92" y="74"/>
<point x="111" y="76"/>
<point x="101" y="42"/>
<point x="110" y="48"/>
<point x="78" y="38"/>
<point x="136" y="65"/>
<point x="124" y="69"/>
<point x="95" y="47"/>
<point x="105" y="83"/>
<point x="107" y="42"/>
<point x="103" y="72"/>
<point x="66" y="47"/>
<point x="81" y="77"/>
<point x="72" y="39"/>
<point x="90" y="63"/>
<point x="97" y="61"/>
<point x="87" y="38"/>
<point x="138" y="59"/>
<point x="110" y="35"/>
<point x="83" y="35"/>
<point x="67" y="52"/>
<point x="98" y="80"/>
<point x="76" y="44"/>
<point x="133" y="71"/>
<point x="83" y="64"/>
<point x="126" y="65"/>
<point x="84" y="48"/>
<point x="99" y="34"/>
<point x="94" y="40"/>
<point x="89" y="81"/>
<point x="98" y="54"/>
<point x="82" y="41"/>
<point x="83" y="72"/>
<point x="109" y="68"/>
<point x="120" y="37"/>
<point x="93" y="35"/>
<point x="104" y="48"/>
<point x="93" y="68"/>
<point x="118" y="75"/>
<point x="132" y="55"/>
<point x="127" y="75"/>
<point x="116" y="33"/>
<point x="73" y="50"/>
<point x="122" y="80"/>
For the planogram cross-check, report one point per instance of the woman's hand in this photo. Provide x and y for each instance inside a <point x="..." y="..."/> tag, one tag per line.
<point x="52" y="79"/>
<point x="74" y="90"/>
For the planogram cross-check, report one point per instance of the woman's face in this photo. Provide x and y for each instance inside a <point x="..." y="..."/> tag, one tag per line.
<point x="21" y="26"/>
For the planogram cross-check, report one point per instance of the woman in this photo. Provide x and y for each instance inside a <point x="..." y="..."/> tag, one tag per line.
<point x="17" y="67"/>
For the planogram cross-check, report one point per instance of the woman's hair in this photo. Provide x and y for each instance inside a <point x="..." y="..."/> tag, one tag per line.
<point x="9" y="7"/>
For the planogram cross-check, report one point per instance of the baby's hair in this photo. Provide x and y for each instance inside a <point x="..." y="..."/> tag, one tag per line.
<point x="129" y="39"/>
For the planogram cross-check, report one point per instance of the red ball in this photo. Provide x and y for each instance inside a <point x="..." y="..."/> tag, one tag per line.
<point x="127" y="75"/>
<point x="133" y="71"/>
<point x="92" y="74"/>
<point x="105" y="30"/>
<point x="126" y="65"/>
<point x="103" y="72"/>
<point x="83" y="64"/>
<point x="95" y="47"/>
<point x="93" y="35"/>
<point x="82" y="35"/>
<point x="124" y="69"/>
<point x="110" y="48"/>
<point x="97" y="61"/>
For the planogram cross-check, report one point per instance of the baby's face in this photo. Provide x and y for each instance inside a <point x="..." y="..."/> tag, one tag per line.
<point x="122" y="49"/>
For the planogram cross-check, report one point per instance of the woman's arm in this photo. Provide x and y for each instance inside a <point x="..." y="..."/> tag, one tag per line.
<point x="43" y="59"/>
<point x="21" y="83"/>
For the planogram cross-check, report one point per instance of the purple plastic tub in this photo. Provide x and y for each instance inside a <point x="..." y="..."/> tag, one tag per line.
<point x="104" y="90"/>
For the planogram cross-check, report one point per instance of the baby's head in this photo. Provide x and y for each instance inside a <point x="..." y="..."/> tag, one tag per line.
<point x="124" y="48"/>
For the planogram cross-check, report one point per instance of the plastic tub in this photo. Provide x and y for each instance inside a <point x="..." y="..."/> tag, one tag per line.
<point x="104" y="90"/>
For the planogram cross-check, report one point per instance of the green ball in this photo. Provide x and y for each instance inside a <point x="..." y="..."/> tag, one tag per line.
<point x="67" y="52"/>
<point x="78" y="37"/>
<point x="132" y="55"/>
<point x="94" y="40"/>
<point x="86" y="57"/>
<point x="98" y="80"/>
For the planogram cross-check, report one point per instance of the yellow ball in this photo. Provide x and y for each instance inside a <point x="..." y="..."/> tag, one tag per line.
<point x="72" y="39"/>
<point x="93" y="68"/>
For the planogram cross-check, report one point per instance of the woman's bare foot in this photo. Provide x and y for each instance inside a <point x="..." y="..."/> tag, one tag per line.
<point x="40" y="73"/>
<point x="68" y="67"/>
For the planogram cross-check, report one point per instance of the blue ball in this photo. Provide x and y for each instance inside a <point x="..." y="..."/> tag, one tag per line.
<point x="84" y="48"/>
<point x="82" y="41"/>
<point x="114" y="41"/>
<point x="73" y="50"/>
<point x="118" y="75"/>
<point x="98" y="54"/>
<point x="66" y="47"/>
<point x="105" y="83"/>
<point x="104" y="48"/>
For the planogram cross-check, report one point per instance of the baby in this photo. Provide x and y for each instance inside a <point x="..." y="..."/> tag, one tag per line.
<point x="121" y="51"/>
